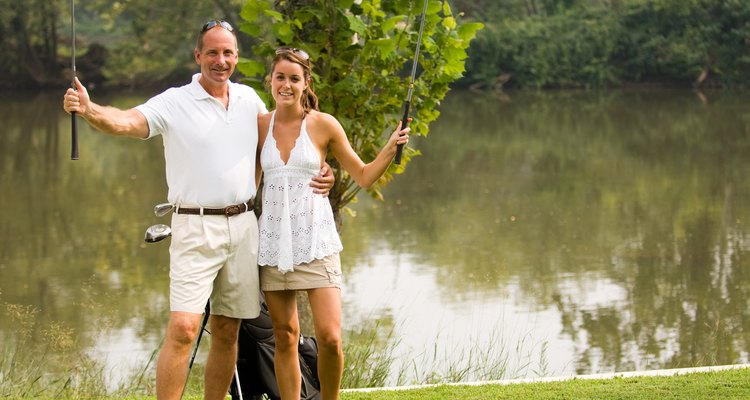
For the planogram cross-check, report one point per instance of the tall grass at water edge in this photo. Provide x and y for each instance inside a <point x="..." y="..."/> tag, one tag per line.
<point x="370" y="360"/>
<point x="45" y="362"/>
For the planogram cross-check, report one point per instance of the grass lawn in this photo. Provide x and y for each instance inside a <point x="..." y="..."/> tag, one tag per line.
<point x="722" y="384"/>
<point x="729" y="384"/>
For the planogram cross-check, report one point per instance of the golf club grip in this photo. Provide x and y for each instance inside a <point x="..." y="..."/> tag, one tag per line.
<point x="404" y="122"/>
<point x="74" y="137"/>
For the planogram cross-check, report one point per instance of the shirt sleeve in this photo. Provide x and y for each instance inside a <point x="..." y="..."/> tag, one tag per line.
<point x="153" y="110"/>
<point x="259" y="104"/>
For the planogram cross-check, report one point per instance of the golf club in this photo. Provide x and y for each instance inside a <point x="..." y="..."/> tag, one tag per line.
<point x="206" y="314"/>
<point x="163" y="209"/>
<point x="237" y="382"/>
<point x="157" y="233"/>
<point x="74" y="127"/>
<point x="405" y="119"/>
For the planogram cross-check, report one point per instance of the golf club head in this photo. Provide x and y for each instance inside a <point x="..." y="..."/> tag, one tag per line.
<point x="157" y="233"/>
<point x="163" y="209"/>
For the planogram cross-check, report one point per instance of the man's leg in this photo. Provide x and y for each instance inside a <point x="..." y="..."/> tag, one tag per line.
<point x="171" y="369"/>
<point x="222" y="356"/>
<point x="235" y="293"/>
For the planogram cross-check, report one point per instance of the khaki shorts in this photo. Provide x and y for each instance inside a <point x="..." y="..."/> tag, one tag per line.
<point x="215" y="256"/>
<point x="322" y="273"/>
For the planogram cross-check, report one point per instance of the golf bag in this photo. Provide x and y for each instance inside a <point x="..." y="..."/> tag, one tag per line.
<point x="255" y="362"/>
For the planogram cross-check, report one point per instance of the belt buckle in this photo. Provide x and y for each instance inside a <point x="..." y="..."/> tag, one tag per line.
<point x="232" y="210"/>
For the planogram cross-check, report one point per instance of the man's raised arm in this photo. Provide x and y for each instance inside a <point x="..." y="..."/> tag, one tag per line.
<point x="110" y="120"/>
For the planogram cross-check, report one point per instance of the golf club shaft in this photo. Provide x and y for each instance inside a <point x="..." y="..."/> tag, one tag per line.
<point x="237" y="382"/>
<point x="195" y="348"/>
<point x="73" y="125"/>
<point x="407" y="103"/>
<point x="198" y="341"/>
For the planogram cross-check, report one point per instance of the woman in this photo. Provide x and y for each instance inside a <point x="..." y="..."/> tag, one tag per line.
<point x="299" y="244"/>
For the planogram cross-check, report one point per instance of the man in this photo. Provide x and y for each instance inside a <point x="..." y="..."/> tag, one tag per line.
<point x="209" y="128"/>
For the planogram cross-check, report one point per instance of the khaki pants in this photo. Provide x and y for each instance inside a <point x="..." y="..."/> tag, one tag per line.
<point x="215" y="256"/>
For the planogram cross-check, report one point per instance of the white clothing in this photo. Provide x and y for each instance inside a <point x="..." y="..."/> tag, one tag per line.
<point x="210" y="162"/>
<point x="297" y="225"/>
<point x="209" y="149"/>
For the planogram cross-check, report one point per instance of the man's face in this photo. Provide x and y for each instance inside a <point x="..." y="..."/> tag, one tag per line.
<point x="219" y="55"/>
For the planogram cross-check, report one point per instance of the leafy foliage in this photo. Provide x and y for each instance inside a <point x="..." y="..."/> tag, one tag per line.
<point x="604" y="43"/>
<point x="678" y="41"/>
<point x="123" y="43"/>
<point x="361" y="53"/>
<point x="527" y="43"/>
<point x="30" y="36"/>
<point x="153" y="41"/>
<point x="569" y="49"/>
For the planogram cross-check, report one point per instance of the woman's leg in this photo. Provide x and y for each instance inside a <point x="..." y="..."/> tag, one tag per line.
<point x="326" y="309"/>
<point x="282" y="305"/>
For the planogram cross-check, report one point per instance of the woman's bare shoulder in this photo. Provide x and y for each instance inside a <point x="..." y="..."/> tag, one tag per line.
<point x="322" y="120"/>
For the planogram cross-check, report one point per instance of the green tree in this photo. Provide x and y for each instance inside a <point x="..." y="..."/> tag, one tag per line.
<point x="128" y="42"/>
<point x="686" y="41"/>
<point x="597" y="43"/>
<point x="151" y="42"/>
<point x="361" y="53"/>
<point x="30" y="36"/>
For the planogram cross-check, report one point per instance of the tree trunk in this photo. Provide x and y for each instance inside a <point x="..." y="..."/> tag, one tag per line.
<point x="39" y="62"/>
<point x="530" y="7"/>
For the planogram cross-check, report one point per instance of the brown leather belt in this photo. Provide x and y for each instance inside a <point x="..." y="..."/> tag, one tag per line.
<point x="226" y="211"/>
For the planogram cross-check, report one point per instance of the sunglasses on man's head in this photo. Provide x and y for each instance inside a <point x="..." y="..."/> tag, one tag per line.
<point x="210" y="24"/>
<point x="299" y="52"/>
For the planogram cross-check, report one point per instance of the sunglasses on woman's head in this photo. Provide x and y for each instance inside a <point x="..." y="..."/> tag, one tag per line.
<point x="210" y="24"/>
<point x="299" y="52"/>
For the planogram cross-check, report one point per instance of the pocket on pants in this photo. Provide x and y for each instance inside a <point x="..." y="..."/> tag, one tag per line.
<point x="334" y="274"/>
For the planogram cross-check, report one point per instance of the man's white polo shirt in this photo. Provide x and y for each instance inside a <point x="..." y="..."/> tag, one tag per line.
<point x="209" y="150"/>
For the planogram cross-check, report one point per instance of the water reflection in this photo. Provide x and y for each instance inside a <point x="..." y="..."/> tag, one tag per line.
<point x="625" y="212"/>
<point x="71" y="236"/>
<point x="564" y="232"/>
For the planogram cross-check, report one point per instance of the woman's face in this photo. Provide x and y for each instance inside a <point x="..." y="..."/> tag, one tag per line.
<point x="287" y="83"/>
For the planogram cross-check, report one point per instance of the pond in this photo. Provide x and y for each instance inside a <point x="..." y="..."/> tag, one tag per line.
<point x="538" y="234"/>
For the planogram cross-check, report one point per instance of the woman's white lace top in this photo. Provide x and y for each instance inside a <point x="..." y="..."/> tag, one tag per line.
<point x="296" y="225"/>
